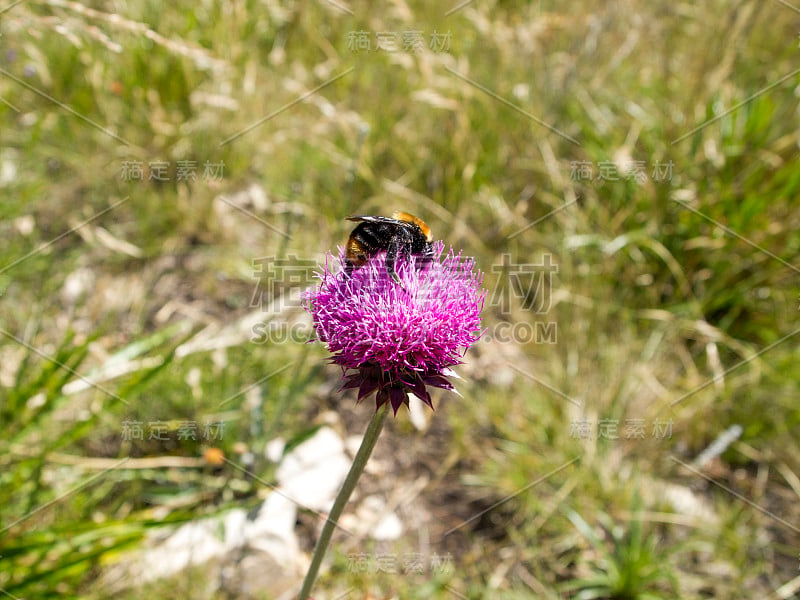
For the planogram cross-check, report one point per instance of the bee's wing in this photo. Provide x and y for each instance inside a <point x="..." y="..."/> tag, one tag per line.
<point x="371" y="219"/>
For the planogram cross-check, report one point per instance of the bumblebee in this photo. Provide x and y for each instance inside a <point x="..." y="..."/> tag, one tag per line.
<point x="401" y="234"/>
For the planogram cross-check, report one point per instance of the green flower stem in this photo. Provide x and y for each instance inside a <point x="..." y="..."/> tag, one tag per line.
<point x="360" y="461"/>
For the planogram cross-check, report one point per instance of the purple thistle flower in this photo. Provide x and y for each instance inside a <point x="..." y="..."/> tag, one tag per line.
<point x="398" y="338"/>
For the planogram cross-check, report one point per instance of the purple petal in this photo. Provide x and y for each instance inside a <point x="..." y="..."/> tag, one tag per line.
<point x="367" y="387"/>
<point x="398" y="397"/>
<point x="439" y="382"/>
<point x="417" y="387"/>
<point x="352" y="381"/>
<point x="381" y="398"/>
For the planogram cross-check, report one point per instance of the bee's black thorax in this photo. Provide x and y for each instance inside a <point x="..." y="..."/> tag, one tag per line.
<point x="394" y="236"/>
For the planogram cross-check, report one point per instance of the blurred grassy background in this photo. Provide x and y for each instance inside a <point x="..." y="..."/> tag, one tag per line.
<point x="619" y="138"/>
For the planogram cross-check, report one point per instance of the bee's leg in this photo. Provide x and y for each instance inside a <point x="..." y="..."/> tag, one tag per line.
<point x="391" y="258"/>
<point x="425" y="257"/>
<point x="348" y="269"/>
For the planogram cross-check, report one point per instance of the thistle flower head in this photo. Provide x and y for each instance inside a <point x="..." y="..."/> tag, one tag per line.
<point x="392" y="338"/>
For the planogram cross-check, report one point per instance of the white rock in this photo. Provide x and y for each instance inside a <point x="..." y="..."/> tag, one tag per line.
<point x="273" y="528"/>
<point x="418" y="413"/>
<point x="191" y="544"/>
<point x="388" y="528"/>
<point x="77" y="284"/>
<point x="271" y="559"/>
<point x="313" y="472"/>
<point x="274" y="449"/>
<point x="372" y="519"/>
